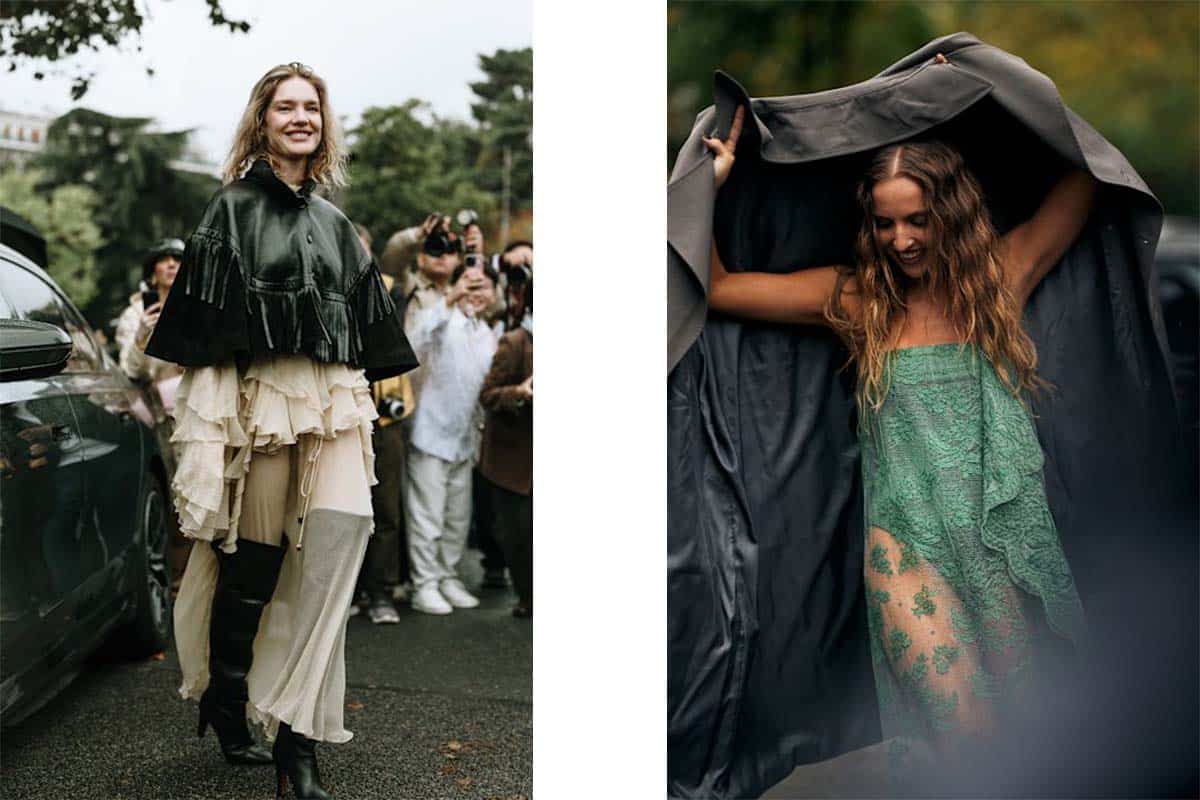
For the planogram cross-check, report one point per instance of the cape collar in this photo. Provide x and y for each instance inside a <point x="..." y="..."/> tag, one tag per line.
<point x="262" y="174"/>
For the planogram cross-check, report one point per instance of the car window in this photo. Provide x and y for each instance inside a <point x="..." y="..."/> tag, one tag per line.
<point x="34" y="299"/>
<point x="6" y="309"/>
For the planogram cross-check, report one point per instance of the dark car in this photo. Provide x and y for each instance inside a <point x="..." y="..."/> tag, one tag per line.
<point x="84" y="509"/>
<point x="1178" y="263"/>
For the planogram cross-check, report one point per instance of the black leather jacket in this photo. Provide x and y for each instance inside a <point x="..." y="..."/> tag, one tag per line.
<point x="273" y="271"/>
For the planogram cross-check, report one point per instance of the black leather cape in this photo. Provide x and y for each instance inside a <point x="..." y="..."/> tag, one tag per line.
<point x="768" y="665"/>
<point x="273" y="271"/>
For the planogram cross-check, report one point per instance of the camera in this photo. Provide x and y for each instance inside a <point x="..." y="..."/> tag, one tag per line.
<point x="391" y="407"/>
<point x="439" y="243"/>
<point x="518" y="275"/>
<point x="473" y="260"/>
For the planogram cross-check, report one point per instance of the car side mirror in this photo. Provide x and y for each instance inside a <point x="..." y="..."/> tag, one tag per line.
<point x="32" y="350"/>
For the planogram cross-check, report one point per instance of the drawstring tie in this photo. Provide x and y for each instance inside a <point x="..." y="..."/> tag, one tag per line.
<point x="306" y="486"/>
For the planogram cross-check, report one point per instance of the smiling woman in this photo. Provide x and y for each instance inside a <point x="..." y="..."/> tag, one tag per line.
<point x="280" y="316"/>
<point x="289" y="121"/>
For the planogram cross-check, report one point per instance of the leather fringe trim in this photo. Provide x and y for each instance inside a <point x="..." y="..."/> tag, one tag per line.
<point x="208" y="260"/>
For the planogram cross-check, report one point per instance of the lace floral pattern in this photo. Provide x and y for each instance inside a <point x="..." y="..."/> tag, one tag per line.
<point x="966" y="577"/>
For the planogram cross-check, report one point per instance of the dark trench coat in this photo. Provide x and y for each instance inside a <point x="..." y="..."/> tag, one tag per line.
<point x="768" y="663"/>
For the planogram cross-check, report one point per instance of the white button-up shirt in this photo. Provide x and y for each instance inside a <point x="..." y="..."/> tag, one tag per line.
<point x="456" y="352"/>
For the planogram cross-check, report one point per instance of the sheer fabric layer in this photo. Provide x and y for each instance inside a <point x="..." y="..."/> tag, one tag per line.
<point x="968" y="589"/>
<point x="222" y="419"/>
<point x="283" y="452"/>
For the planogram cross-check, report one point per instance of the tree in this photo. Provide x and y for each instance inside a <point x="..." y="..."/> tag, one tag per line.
<point x="505" y="115"/>
<point x="1131" y="69"/>
<point x="404" y="167"/>
<point x="34" y="30"/>
<point x="143" y="198"/>
<point x="66" y="218"/>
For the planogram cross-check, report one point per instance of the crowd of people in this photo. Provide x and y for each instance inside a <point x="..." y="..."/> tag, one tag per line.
<point x="453" y="441"/>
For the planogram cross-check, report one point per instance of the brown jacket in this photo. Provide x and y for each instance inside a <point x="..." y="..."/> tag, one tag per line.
<point x="507" y="457"/>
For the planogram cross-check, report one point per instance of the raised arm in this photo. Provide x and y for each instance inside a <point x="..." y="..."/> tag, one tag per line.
<point x="1033" y="248"/>
<point x="797" y="297"/>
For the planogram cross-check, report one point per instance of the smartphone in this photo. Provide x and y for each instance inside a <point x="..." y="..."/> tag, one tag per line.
<point x="149" y="298"/>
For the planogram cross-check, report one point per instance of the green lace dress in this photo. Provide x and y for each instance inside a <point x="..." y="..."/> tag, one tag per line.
<point x="967" y="585"/>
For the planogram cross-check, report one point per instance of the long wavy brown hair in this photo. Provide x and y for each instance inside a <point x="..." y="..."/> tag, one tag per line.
<point x="327" y="164"/>
<point x="966" y="273"/>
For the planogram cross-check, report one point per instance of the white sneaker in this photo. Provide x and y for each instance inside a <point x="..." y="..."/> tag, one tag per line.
<point x="453" y="590"/>
<point x="430" y="601"/>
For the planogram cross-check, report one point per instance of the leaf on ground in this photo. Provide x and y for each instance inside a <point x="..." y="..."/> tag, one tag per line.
<point x="446" y="770"/>
<point x="464" y="783"/>
<point x="454" y="746"/>
<point x="354" y="706"/>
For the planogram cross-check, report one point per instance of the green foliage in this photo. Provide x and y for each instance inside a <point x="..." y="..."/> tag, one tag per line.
<point x="408" y="162"/>
<point x="65" y="217"/>
<point x="405" y="166"/>
<point x="142" y="198"/>
<point x="35" y="31"/>
<point x="1130" y="69"/>
<point x="505" y="115"/>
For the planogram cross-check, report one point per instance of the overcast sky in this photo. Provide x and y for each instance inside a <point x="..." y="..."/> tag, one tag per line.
<point x="370" y="52"/>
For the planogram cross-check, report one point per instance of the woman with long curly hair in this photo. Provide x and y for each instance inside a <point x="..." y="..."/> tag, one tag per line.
<point x="279" y="317"/>
<point x="970" y="599"/>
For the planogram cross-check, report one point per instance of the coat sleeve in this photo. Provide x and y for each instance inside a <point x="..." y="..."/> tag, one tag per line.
<point x="132" y="359"/>
<point x="204" y="320"/>
<point x="382" y="348"/>
<point x="499" y="391"/>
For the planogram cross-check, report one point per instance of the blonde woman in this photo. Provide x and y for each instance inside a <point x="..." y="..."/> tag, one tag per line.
<point x="276" y="313"/>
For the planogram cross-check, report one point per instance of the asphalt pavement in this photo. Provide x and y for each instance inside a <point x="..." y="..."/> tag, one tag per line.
<point x="440" y="707"/>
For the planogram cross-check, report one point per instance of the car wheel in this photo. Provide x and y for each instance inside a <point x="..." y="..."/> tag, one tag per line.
<point x="150" y="629"/>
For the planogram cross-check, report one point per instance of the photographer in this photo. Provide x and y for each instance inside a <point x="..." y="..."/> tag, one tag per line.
<point x="455" y="345"/>
<point x="506" y="462"/>
<point x="386" y="564"/>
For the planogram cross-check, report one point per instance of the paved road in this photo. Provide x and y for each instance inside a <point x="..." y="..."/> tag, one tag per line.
<point x="440" y="707"/>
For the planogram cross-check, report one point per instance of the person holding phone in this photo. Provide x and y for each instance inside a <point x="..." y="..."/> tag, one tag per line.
<point x="456" y="346"/>
<point x="137" y="321"/>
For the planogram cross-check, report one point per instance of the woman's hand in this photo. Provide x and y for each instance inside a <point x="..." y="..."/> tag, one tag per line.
<point x="723" y="150"/>
<point x="146" y="324"/>
<point x="525" y="388"/>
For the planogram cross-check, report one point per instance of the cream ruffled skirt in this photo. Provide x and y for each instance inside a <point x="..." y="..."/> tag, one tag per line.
<point x="284" y="448"/>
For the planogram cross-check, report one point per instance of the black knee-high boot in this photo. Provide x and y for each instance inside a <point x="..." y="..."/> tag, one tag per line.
<point x="245" y="583"/>
<point x="296" y="760"/>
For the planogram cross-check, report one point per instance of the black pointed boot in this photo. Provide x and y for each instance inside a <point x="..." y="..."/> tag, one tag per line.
<point x="296" y="761"/>
<point x="245" y="583"/>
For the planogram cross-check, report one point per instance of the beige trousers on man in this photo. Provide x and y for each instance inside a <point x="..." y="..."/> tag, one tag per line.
<point x="437" y="509"/>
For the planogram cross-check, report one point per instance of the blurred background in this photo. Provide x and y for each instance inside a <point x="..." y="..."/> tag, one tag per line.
<point x="1132" y="69"/>
<point x="117" y="114"/>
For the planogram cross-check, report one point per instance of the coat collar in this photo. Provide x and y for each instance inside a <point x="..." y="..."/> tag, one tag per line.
<point x="261" y="173"/>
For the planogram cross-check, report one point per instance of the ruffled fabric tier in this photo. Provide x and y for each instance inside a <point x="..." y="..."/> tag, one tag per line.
<point x="222" y="418"/>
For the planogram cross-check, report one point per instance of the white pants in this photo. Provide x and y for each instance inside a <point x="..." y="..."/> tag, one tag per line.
<point x="437" y="509"/>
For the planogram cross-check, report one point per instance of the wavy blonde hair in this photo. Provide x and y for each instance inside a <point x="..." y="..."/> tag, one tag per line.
<point x="327" y="164"/>
<point x="966" y="273"/>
